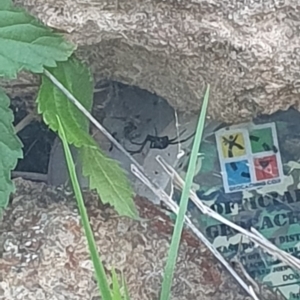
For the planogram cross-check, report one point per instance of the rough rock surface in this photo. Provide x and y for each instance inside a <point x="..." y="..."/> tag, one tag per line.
<point x="247" y="50"/>
<point x="43" y="252"/>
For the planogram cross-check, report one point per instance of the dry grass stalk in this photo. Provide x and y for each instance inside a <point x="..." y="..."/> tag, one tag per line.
<point x="252" y="235"/>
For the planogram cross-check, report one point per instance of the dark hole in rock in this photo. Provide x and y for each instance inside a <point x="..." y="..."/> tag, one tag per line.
<point x="128" y="112"/>
<point x="37" y="139"/>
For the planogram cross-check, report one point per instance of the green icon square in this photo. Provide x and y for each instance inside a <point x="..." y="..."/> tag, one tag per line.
<point x="261" y="140"/>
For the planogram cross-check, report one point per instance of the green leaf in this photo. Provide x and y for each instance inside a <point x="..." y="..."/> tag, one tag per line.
<point x="52" y="102"/>
<point x="110" y="181"/>
<point x="173" y="251"/>
<point x="10" y="149"/>
<point x="105" y="175"/>
<point x="26" y="43"/>
<point x="98" y="265"/>
<point x="5" y="4"/>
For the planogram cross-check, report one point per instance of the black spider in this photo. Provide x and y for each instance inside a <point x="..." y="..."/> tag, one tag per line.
<point x="157" y="142"/>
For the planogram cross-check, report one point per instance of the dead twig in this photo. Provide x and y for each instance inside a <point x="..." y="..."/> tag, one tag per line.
<point x="30" y="176"/>
<point x="24" y="122"/>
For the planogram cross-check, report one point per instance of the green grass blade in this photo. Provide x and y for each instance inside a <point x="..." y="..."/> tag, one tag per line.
<point x="171" y="262"/>
<point x="116" y="293"/>
<point x="126" y="292"/>
<point x="99" y="269"/>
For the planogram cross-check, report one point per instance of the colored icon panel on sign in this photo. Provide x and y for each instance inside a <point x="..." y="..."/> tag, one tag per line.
<point x="261" y="140"/>
<point x="233" y="145"/>
<point x="238" y="172"/>
<point x="266" y="167"/>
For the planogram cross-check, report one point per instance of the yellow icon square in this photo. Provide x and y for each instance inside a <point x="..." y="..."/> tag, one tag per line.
<point x="233" y="145"/>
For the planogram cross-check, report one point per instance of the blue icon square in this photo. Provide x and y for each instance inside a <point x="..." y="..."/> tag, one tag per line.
<point x="238" y="172"/>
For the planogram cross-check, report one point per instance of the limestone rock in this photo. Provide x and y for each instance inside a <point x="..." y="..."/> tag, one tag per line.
<point x="43" y="252"/>
<point x="248" y="51"/>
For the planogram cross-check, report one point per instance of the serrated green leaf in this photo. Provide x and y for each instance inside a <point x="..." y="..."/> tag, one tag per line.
<point x="10" y="149"/>
<point x="51" y="101"/>
<point x="26" y="43"/>
<point x="105" y="175"/>
<point x="5" y="4"/>
<point x="110" y="181"/>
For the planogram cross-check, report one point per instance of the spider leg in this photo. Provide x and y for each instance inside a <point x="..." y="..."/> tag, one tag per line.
<point x="176" y="137"/>
<point x="136" y="143"/>
<point x="140" y="143"/>
<point x="135" y="151"/>
<point x="173" y="141"/>
<point x="139" y="150"/>
<point x="187" y="138"/>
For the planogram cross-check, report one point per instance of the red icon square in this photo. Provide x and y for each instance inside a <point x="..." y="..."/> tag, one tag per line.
<point x="266" y="167"/>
